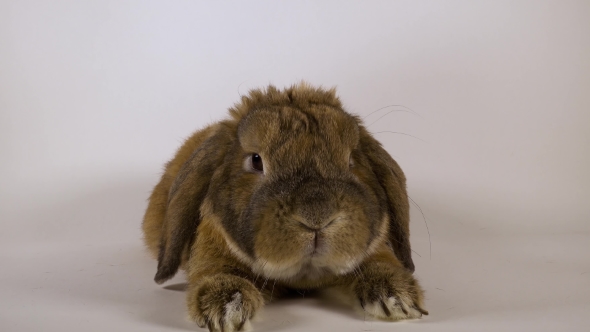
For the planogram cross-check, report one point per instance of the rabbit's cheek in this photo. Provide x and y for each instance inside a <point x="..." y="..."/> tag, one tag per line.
<point x="279" y="248"/>
<point x="346" y="246"/>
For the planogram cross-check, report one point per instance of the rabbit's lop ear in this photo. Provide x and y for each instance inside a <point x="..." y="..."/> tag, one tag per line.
<point x="186" y="195"/>
<point x="393" y="182"/>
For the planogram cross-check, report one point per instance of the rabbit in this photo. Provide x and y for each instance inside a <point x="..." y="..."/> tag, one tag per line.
<point x="290" y="191"/>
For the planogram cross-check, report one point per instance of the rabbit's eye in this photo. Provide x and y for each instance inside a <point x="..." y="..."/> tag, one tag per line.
<point x="253" y="163"/>
<point x="257" y="162"/>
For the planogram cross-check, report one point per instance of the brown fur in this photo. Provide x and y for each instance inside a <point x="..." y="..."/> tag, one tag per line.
<point x="330" y="209"/>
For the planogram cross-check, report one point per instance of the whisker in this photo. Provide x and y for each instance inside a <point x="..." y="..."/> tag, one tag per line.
<point x="258" y="274"/>
<point x="265" y="281"/>
<point x="300" y="292"/>
<point x="414" y="251"/>
<point x="240" y="86"/>
<point x="407" y="110"/>
<point x="425" y="222"/>
<point x="379" y="118"/>
<point x="397" y="132"/>
<point x="273" y="289"/>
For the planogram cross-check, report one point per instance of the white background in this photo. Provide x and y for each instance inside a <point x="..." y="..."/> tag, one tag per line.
<point x="95" y="96"/>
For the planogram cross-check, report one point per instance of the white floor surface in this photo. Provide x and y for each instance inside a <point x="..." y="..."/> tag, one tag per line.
<point x="79" y="265"/>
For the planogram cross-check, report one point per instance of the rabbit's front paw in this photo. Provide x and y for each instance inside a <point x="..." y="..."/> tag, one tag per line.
<point x="224" y="303"/>
<point x="389" y="294"/>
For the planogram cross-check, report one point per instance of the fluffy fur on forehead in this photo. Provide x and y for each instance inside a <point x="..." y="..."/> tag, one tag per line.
<point x="300" y="95"/>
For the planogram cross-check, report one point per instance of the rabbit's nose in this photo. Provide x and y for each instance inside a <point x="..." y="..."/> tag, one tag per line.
<point x="315" y="224"/>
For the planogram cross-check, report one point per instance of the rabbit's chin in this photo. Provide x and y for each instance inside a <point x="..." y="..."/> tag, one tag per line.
<point x="309" y="268"/>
